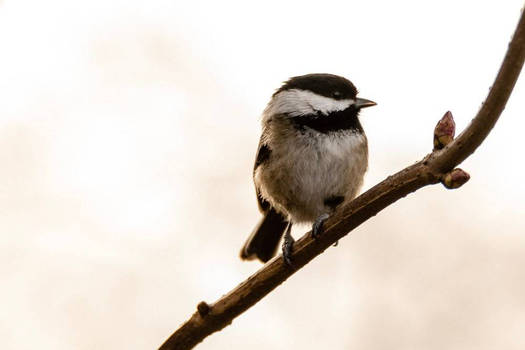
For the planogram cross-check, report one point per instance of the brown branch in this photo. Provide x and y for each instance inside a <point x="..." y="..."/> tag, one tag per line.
<point x="435" y="167"/>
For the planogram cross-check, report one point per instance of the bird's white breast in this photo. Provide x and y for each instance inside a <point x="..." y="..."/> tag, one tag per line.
<point x="306" y="168"/>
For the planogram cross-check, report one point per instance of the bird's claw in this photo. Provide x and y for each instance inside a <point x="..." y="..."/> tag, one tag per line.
<point x="288" y="246"/>
<point x="287" y="250"/>
<point x="317" y="227"/>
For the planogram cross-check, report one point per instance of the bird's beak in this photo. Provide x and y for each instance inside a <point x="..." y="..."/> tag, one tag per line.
<point x="363" y="103"/>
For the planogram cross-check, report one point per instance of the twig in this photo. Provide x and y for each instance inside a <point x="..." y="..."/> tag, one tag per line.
<point x="435" y="167"/>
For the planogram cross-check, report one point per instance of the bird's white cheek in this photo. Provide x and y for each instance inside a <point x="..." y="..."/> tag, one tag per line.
<point x="327" y="105"/>
<point x="300" y="102"/>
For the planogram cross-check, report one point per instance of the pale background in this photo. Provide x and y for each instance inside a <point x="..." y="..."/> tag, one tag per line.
<point x="128" y="131"/>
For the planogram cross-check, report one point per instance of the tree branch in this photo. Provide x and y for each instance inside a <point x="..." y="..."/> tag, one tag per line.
<point x="435" y="167"/>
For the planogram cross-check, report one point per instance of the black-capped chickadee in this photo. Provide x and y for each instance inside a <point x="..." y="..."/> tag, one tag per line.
<point x="312" y="157"/>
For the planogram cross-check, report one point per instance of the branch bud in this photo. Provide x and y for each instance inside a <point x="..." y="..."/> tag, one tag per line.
<point x="444" y="131"/>
<point x="455" y="179"/>
<point x="203" y="308"/>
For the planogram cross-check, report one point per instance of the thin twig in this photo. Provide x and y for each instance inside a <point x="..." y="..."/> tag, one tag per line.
<point x="434" y="168"/>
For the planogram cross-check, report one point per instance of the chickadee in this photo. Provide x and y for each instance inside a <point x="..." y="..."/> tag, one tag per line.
<point x="311" y="159"/>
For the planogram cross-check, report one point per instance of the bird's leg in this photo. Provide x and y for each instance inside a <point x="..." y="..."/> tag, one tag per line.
<point x="288" y="245"/>
<point x="317" y="227"/>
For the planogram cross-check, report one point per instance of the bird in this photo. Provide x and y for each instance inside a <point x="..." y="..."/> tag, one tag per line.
<point x="311" y="159"/>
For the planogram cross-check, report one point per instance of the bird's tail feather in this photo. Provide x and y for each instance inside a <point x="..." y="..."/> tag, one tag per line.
<point x="264" y="240"/>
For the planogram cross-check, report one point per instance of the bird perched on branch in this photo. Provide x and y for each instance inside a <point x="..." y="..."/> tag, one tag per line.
<point x="312" y="157"/>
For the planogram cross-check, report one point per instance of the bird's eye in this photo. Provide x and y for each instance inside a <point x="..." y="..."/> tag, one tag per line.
<point x="336" y="94"/>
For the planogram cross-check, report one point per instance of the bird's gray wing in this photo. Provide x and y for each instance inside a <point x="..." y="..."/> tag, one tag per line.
<point x="262" y="156"/>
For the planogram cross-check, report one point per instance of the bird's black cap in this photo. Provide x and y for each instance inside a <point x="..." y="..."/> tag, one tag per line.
<point x="328" y="85"/>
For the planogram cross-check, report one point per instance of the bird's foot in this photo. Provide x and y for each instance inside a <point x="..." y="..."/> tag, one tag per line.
<point x="287" y="250"/>
<point x="317" y="227"/>
<point x="288" y="246"/>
